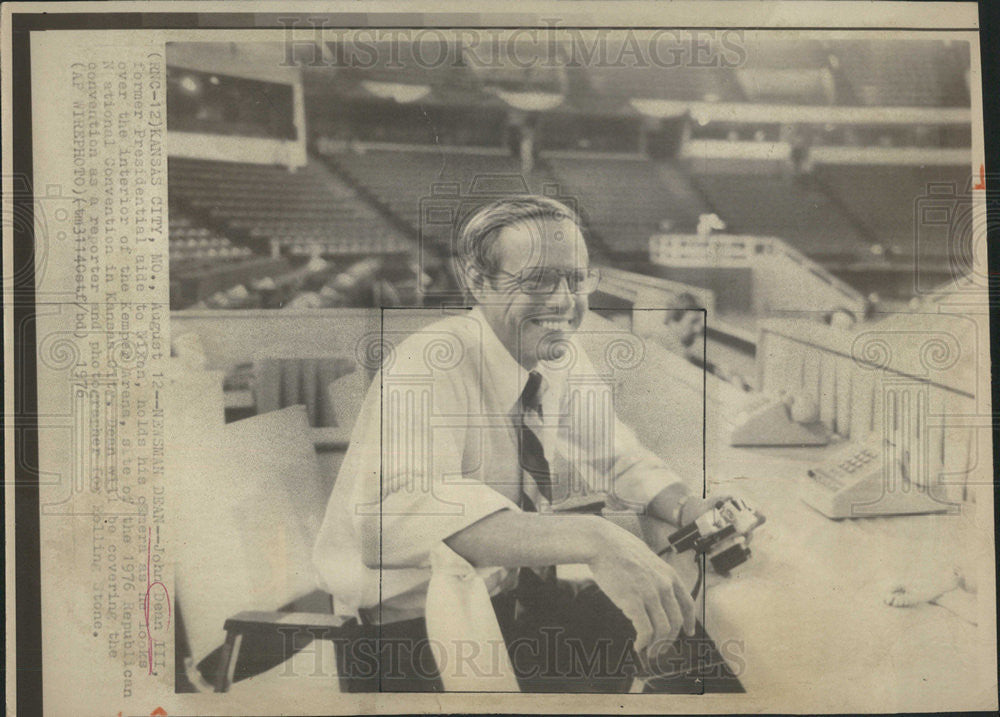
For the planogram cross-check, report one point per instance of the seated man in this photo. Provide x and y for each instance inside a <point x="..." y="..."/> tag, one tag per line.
<point x="472" y="435"/>
<point x="684" y="335"/>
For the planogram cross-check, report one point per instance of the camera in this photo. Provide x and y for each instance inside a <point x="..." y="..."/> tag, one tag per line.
<point x="720" y="533"/>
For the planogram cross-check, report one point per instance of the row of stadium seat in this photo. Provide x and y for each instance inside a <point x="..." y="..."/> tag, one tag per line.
<point x="887" y="200"/>
<point x="222" y="253"/>
<point x="192" y="243"/>
<point x="403" y="180"/>
<point x="621" y="217"/>
<point x="842" y="213"/>
<point x="784" y="207"/>
<point x="194" y="282"/>
<point x="265" y="203"/>
<point x="626" y="200"/>
<point x="314" y="284"/>
<point x="189" y="232"/>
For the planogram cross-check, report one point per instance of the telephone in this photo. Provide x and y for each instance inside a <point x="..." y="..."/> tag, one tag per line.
<point x="766" y="420"/>
<point x="867" y="480"/>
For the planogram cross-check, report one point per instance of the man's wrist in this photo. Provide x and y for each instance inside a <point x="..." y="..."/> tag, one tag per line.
<point x="668" y="505"/>
<point x="598" y="535"/>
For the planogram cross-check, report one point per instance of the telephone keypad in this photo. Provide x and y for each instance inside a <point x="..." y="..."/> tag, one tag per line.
<point x="858" y="460"/>
<point x="833" y="477"/>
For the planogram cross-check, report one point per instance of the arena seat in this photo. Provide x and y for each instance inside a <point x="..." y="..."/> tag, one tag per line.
<point x="400" y="179"/>
<point x="886" y="199"/>
<point x="625" y="200"/>
<point x="191" y="243"/>
<point x="787" y="208"/>
<point x="195" y="281"/>
<point x="270" y="203"/>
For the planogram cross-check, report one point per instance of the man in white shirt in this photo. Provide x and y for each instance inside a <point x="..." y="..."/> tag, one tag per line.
<point x="684" y="335"/>
<point x="473" y="433"/>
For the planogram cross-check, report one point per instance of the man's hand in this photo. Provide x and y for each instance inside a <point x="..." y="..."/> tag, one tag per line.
<point x="644" y="587"/>
<point x="641" y="584"/>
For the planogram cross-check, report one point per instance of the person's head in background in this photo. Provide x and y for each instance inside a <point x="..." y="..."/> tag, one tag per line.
<point x="685" y="321"/>
<point x="871" y="307"/>
<point x="525" y="263"/>
<point x="841" y="318"/>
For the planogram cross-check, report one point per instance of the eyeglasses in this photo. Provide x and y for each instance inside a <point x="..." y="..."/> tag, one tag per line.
<point x="546" y="281"/>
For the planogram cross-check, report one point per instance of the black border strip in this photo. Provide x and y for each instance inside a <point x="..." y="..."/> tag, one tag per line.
<point x="989" y="51"/>
<point x="368" y="21"/>
<point x="28" y="566"/>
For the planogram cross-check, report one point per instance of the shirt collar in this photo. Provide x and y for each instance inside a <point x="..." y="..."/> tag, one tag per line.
<point x="507" y="376"/>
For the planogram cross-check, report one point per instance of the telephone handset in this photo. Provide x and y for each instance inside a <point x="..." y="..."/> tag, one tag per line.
<point x="766" y="420"/>
<point x="864" y="480"/>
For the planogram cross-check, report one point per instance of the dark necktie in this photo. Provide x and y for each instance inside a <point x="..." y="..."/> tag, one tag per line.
<point x="531" y="586"/>
<point x="530" y="452"/>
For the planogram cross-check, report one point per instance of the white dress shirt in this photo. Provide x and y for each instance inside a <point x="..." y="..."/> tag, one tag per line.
<point x="434" y="450"/>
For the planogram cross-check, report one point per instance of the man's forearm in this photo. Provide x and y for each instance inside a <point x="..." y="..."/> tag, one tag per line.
<point x="512" y="539"/>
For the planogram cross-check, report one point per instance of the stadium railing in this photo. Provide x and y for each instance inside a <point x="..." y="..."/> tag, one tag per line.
<point x="784" y="278"/>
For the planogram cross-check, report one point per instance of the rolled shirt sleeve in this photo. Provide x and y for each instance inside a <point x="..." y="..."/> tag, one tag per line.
<point x="639" y="475"/>
<point x="423" y="491"/>
<point x="606" y="450"/>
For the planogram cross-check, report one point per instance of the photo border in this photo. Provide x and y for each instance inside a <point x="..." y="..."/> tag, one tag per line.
<point x="20" y="300"/>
